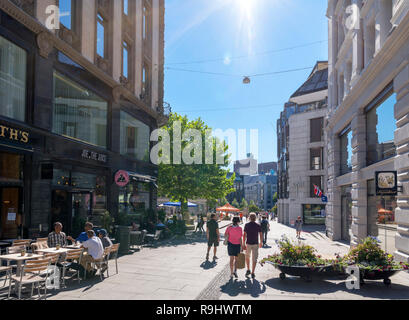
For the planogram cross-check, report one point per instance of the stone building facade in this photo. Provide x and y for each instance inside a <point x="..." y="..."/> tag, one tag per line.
<point x="367" y="121"/>
<point x="301" y="152"/>
<point x="77" y="106"/>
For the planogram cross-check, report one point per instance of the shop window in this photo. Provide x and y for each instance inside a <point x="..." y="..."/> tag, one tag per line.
<point x="346" y="151"/>
<point x="380" y="128"/>
<point x="79" y="113"/>
<point x="135" y="137"/>
<point x="134" y="198"/>
<point x="314" y="214"/>
<point x="381" y="209"/>
<point x="316" y="129"/>
<point x="10" y="167"/>
<point x="13" y="77"/>
<point x="316" y="158"/>
<point x="316" y="180"/>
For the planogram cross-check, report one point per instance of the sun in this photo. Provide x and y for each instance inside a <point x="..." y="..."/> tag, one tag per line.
<point x="246" y="6"/>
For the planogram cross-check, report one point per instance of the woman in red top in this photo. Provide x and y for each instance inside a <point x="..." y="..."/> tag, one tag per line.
<point x="234" y="235"/>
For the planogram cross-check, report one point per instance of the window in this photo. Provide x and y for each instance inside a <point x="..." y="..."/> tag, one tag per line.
<point x="316" y="129"/>
<point x="79" y="113"/>
<point x="101" y="36"/>
<point x="145" y="82"/>
<point x="125" y="59"/>
<point x="135" y="137"/>
<point x="13" y="77"/>
<point x="316" y="159"/>
<point x="314" y="214"/>
<point x="380" y="128"/>
<point x="316" y="180"/>
<point x="126" y="6"/>
<point x="145" y="22"/>
<point x="66" y="13"/>
<point x="346" y="151"/>
<point x="135" y="198"/>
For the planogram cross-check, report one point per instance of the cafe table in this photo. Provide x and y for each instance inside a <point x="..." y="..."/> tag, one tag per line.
<point x="54" y="250"/>
<point x="19" y="259"/>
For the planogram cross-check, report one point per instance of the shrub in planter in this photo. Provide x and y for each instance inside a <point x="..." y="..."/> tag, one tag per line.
<point x="293" y="254"/>
<point x="369" y="256"/>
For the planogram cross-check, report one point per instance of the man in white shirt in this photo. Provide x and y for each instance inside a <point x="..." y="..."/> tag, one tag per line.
<point x="95" y="250"/>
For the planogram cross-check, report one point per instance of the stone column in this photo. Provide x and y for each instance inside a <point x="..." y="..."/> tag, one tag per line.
<point x="88" y="29"/>
<point x="359" y="187"/>
<point x="40" y="10"/>
<point x="333" y="208"/>
<point x="117" y="40"/>
<point x="155" y="53"/>
<point x="138" y="42"/>
<point x="401" y="86"/>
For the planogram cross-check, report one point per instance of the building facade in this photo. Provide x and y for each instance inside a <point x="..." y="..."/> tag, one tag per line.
<point x="77" y="106"/>
<point x="368" y="110"/>
<point x="268" y="167"/>
<point x="301" y="151"/>
<point x="260" y="189"/>
<point x="246" y="167"/>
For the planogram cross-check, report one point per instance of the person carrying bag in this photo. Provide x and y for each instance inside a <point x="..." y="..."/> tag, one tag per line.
<point x="233" y="237"/>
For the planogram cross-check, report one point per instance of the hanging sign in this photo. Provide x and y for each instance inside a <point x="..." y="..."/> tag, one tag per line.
<point x="386" y="183"/>
<point x="122" y="178"/>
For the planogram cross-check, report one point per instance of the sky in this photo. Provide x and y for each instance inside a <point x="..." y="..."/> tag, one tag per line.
<point x="241" y="37"/>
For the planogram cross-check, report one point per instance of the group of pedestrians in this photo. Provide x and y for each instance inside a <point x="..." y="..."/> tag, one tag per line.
<point x="250" y="240"/>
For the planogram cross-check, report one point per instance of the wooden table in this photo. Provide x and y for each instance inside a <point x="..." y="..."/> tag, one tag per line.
<point x="17" y="257"/>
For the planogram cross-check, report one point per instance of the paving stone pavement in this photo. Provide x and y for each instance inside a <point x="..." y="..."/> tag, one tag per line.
<point x="177" y="270"/>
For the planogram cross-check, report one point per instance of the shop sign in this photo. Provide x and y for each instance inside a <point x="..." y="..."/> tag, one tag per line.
<point x="386" y="183"/>
<point x="14" y="135"/>
<point x="122" y="178"/>
<point x="91" y="155"/>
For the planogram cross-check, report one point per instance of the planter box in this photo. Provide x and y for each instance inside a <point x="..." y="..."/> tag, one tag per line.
<point x="308" y="273"/>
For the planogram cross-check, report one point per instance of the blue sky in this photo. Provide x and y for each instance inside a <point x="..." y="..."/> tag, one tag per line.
<point x="199" y="30"/>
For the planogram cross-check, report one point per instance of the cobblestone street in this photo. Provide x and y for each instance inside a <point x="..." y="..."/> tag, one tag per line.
<point x="177" y="270"/>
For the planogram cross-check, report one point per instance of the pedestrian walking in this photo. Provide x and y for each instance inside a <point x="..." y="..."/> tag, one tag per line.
<point x="234" y="241"/>
<point x="265" y="228"/>
<point x="298" y="227"/>
<point x="213" y="236"/>
<point x="252" y="239"/>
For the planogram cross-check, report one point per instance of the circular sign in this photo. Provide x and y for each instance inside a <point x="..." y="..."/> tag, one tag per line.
<point x="122" y="178"/>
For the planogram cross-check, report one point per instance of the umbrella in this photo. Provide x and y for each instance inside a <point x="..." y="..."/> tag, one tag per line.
<point x="177" y="204"/>
<point x="384" y="211"/>
<point x="227" y="208"/>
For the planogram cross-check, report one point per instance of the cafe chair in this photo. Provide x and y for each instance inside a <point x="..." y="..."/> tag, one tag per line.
<point x="114" y="254"/>
<point x="102" y="264"/>
<point x="8" y="269"/>
<point x="73" y="256"/>
<point x="19" y="243"/>
<point x="55" y="262"/>
<point x="38" y="245"/>
<point x="32" y="274"/>
<point x="16" y="249"/>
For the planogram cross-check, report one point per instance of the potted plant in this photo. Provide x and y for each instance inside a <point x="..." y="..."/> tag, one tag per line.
<point x="373" y="262"/>
<point x="298" y="259"/>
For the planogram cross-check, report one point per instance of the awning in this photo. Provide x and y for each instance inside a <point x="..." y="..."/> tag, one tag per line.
<point x="16" y="148"/>
<point x="142" y="178"/>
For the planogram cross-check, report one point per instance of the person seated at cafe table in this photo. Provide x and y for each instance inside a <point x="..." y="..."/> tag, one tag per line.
<point x="83" y="236"/>
<point x="95" y="251"/>
<point x="103" y="235"/>
<point x="57" y="237"/>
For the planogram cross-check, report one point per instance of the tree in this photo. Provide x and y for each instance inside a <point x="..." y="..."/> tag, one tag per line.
<point x="275" y="198"/>
<point x="183" y="172"/>
<point x="254" y="208"/>
<point x="222" y="202"/>
<point x="235" y="203"/>
<point x="244" y="204"/>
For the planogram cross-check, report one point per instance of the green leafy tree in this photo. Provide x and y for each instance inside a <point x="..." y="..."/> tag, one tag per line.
<point x="275" y="198"/>
<point x="222" y="202"/>
<point x="244" y="204"/>
<point x="253" y="207"/>
<point x="180" y="180"/>
<point x="235" y="203"/>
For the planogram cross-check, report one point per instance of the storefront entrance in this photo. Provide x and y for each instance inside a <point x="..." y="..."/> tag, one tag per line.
<point x="346" y="211"/>
<point x="11" y="202"/>
<point x="72" y="209"/>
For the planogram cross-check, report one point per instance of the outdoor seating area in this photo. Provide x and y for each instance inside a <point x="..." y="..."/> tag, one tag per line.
<point x="28" y="268"/>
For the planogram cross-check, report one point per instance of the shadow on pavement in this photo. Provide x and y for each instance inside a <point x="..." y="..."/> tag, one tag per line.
<point x="248" y="287"/>
<point x="207" y="265"/>
<point x="371" y="289"/>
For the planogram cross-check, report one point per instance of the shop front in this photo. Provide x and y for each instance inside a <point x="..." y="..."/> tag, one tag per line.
<point x="314" y="214"/>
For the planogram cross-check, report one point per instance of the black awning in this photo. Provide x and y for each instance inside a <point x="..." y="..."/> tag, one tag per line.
<point x="16" y="148"/>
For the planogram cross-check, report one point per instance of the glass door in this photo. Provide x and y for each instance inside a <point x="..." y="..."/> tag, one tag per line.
<point x="11" y="218"/>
